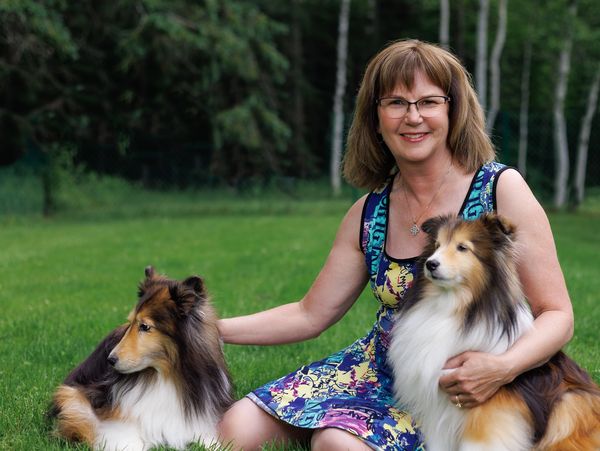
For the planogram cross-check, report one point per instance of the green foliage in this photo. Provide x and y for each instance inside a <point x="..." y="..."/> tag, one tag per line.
<point x="233" y="90"/>
<point x="44" y="21"/>
<point x="33" y="43"/>
<point x="101" y="71"/>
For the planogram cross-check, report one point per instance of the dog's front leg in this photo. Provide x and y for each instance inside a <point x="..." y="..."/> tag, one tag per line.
<point x="119" y="436"/>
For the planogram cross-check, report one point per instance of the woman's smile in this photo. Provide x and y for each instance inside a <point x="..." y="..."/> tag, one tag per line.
<point x="414" y="137"/>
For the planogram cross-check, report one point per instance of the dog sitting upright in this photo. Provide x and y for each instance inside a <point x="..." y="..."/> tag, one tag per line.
<point x="467" y="297"/>
<point x="161" y="379"/>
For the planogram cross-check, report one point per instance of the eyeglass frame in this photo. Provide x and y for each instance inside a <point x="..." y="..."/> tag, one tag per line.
<point x="447" y="99"/>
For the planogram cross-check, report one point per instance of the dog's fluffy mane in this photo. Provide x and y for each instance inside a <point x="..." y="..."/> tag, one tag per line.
<point x="189" y="320"/>
<point x="197" y="360"/>
<point x="494" y="247"/>
<point x="490" y="314"/>
<point x="181" y="311"/>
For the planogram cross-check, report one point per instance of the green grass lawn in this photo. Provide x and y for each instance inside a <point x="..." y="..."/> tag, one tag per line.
<point x="64" y="283"/>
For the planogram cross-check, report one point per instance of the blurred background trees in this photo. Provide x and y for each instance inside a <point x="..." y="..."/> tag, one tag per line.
<point x="179" y="93"/>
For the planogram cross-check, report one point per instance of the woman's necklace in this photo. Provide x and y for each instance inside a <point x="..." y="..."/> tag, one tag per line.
<point x="414" y="228"/>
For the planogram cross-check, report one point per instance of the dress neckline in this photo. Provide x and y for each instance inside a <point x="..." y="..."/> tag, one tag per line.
<point x="387" y="193"/>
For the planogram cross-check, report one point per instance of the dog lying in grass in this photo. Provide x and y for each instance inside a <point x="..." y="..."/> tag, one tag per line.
<point x="160" y="379"/>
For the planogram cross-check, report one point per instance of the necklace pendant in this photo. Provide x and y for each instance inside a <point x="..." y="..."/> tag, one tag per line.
<point x="414" y="229"/>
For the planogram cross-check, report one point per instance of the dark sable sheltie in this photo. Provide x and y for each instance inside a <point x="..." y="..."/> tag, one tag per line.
<point x="468" y="297"/>
<point x="160" y="379"/>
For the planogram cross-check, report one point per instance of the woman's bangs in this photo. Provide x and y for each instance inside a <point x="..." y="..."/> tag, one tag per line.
<point x="400" y="69"/>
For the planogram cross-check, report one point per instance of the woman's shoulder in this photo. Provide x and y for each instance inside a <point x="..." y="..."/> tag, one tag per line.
<point x="358" y="206"/>
<point x="511" y="181"/>
<point x="515" y="198"/>
<point x="355" y="213"/>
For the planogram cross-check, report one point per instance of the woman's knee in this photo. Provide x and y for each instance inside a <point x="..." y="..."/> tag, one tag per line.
<point x="336" y="439"/>
<point x="246" y="426"/>
<point x="237" y="427"/>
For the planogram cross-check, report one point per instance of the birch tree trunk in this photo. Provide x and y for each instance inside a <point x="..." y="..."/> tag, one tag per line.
<point x="338" y="99"/>
<point x="561" y="145"/>
<point x="495" y="66"/>
<point x="584" y="138"/>
<point x="445" y="23"/>
<point x="524" y="110"/>
<point x="482" y="63"/>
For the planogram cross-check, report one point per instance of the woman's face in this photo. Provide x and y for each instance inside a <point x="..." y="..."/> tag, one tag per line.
<point x="415" y="138"/>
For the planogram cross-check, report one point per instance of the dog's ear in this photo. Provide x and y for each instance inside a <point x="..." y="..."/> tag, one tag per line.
<point x="195" y="283"/>
<point x="149" y="272"/>
<point x="188" y="294"/>
<point x="495" y="222"/>
<point x="432" y="225"/>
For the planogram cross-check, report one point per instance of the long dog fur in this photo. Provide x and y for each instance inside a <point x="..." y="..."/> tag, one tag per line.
<point x="467" y="296"/>
<point x="161" y="379"/>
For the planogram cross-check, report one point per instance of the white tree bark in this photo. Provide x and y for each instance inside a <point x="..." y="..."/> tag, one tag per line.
<point x="584" y="138"/>
<point x="445" y="23"/>
<point x="495" y="66"/>
<point x="482" y="63"/>
<point x="561" y="146"/>
<point x="338" y="99"/>
<point x="524" y="110"/>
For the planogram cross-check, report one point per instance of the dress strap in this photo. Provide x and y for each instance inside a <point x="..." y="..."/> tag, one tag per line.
<point x="374" y="225"/>
<point x="482" y="193"/>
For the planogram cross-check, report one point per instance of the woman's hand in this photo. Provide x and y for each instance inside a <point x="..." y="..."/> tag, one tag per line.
<point x="471" y="378"/>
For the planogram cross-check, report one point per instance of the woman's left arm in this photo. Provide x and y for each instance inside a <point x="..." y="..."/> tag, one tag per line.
<point x="478" y="375"/>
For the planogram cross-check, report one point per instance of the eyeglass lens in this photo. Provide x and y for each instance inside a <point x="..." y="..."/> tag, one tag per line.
<point x="397" y="107"/>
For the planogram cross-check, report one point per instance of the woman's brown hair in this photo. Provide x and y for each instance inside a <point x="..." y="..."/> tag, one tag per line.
<point x="368" y="162"/>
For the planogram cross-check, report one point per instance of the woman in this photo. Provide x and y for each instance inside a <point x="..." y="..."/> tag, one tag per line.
<point x="418" y="141"/>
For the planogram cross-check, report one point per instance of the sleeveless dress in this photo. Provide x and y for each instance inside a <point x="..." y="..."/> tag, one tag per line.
<point x="352" y="389"/>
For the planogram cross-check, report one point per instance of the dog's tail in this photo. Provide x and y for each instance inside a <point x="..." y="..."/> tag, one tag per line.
<point x="76" y="418"/>
<point x="565" y="402"/>
<point x="575" y="419"/>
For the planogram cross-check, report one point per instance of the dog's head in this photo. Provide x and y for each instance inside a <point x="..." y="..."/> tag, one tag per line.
<point x="462" y="253"/>
<point x="158" y="321"/>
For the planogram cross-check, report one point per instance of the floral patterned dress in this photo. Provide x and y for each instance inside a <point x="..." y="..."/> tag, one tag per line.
<point x="353" y="389"/>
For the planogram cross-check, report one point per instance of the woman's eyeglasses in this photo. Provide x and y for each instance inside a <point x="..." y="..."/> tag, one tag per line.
<point x="397" y="107"/>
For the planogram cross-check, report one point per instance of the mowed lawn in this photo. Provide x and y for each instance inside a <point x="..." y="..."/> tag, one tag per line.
<point x="65" y="283"/>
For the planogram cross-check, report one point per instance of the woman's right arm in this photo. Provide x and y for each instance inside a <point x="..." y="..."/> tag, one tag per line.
<point x="335" y="289"/>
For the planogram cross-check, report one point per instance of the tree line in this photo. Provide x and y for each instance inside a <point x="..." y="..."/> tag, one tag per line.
<point x="231" y="91"/>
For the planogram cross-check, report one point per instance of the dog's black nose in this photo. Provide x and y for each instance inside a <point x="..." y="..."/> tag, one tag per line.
<point x="112" y="360"/>
<point x="432" y="265"/>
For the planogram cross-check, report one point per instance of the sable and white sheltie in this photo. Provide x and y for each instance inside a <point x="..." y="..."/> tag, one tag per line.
<point x="467" y="296"/>
<point x="160" y="379"/>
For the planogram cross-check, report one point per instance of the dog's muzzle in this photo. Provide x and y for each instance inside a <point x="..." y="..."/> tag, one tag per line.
<point x="431" y="265"/>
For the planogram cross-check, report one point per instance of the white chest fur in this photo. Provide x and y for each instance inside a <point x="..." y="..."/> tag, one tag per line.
<point x="153" y="415"/>
<point x="423" y="339"/>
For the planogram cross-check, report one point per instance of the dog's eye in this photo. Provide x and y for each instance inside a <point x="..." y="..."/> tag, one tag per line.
<point x="462" y="248"/>
<point x="143" y="327"/>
